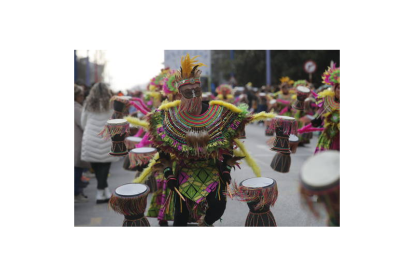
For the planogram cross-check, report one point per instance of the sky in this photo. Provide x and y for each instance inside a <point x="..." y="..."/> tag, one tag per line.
<point x="127" y="68"/>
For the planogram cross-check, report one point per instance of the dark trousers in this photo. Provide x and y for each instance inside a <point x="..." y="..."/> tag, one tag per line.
<point x="78" y="176"/>
<point x="214" y="212"/>
<point x="101" y="174"/>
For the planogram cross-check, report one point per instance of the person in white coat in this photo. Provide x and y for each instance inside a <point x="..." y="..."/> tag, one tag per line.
<point x="79" y="164"/>
<point x="95" y="150"/>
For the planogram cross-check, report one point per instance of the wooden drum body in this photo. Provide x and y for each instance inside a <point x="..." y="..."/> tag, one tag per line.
<point x="319" y="177"/>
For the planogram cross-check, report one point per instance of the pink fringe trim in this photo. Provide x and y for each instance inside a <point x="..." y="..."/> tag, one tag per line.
<point x="312" y="129"/>
<point x="110" y="130"/>
<point x="139" y="133"/>
<point x="140" y="108"/>
<point x="314" y="94"/>
<point x="283" y="111"/>
<point x="309" y="128"/>
<point x="137" y="159"/>
<point x="283" y="101"/>
<point x="142" y="103"/>
<point x="144" y="142"/>
<point x="263" y="196"/>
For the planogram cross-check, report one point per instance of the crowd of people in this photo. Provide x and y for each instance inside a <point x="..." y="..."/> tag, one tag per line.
<point x="199" y="133"/>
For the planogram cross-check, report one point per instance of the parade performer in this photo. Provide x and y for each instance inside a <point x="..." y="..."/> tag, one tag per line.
<point x="329" y="139"/>
<point x="285" y="97"/>
<point x="300" y="115"/>
<point x="159" y="207"/>
<point x="195" y="142"/>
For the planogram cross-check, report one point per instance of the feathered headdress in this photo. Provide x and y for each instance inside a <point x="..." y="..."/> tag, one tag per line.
<point x="300" y="83"/>
<point x="224" y="89"/>
<point x="169" y="83"/>
<point x="286" y="80"/>
<point x="331" y="76"/>
<point x="188" y="73"/>
<point x="156" y="83"/>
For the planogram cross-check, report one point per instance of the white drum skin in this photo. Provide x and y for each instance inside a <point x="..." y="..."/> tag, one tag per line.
<point x="129" y="190"/>
<point x="303" y="89"/>
<point x="321" y="170"/>
<point x="134" y="139"/>
<point x="143" y="150"/>
<point x="117" y="122"/>
<point x="257" y="182"/>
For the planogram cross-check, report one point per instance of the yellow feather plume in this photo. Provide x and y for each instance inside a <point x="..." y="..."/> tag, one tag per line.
<point x="263" y="115"/>
<point x="250" y="161"/>
<point x="153" y="94"/>
<point x="169" y="105"/>
<point x="147" y="171"/>
<point x="325" y="93"/>
<point x="187" y="65"/>
<point x="137" y="122"/>
<point x="229" y="106"/>
<point x="285" y="79"/>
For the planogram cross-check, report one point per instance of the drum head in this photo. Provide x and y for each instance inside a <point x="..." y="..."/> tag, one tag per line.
<point x="303" y="89"/>
<point x="293" y="138"/>
<point x="117" y="122"/>
<point x="321" y="171"/>
<point x="134" y="139"/>
<point x="143" y="150"/>
<point x="130" y="190"/>
<point x="258" y="182"/>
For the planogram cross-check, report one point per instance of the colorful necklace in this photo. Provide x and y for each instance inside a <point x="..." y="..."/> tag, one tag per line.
<point x="209" y="117"/>
<point x="331" y="103"/>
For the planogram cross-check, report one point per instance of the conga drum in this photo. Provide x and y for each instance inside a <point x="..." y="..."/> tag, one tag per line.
<point x="302" y="93"/>
<point x="293" y="142"/>
<point x="319" y="177"/>
<point x="130" y="200"/>
<point x="138" y="159"/>
<point x="141" y="156"/>
<point x="121" y="106"/>
<point x="260" y="193"/>
<point x="284" y="126"/>
<point x="132" y="141"/>
<point x="117" y="130"/>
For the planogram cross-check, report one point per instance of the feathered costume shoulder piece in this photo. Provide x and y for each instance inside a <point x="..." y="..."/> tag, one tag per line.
<point x="331" y="76"/>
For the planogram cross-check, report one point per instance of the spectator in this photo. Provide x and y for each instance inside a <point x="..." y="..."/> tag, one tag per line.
<point x="96" y="113"/>
<point x="79" y="164"/>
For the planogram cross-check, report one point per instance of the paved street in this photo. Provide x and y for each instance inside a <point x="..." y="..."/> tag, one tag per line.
<point x="287" y="210"/>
